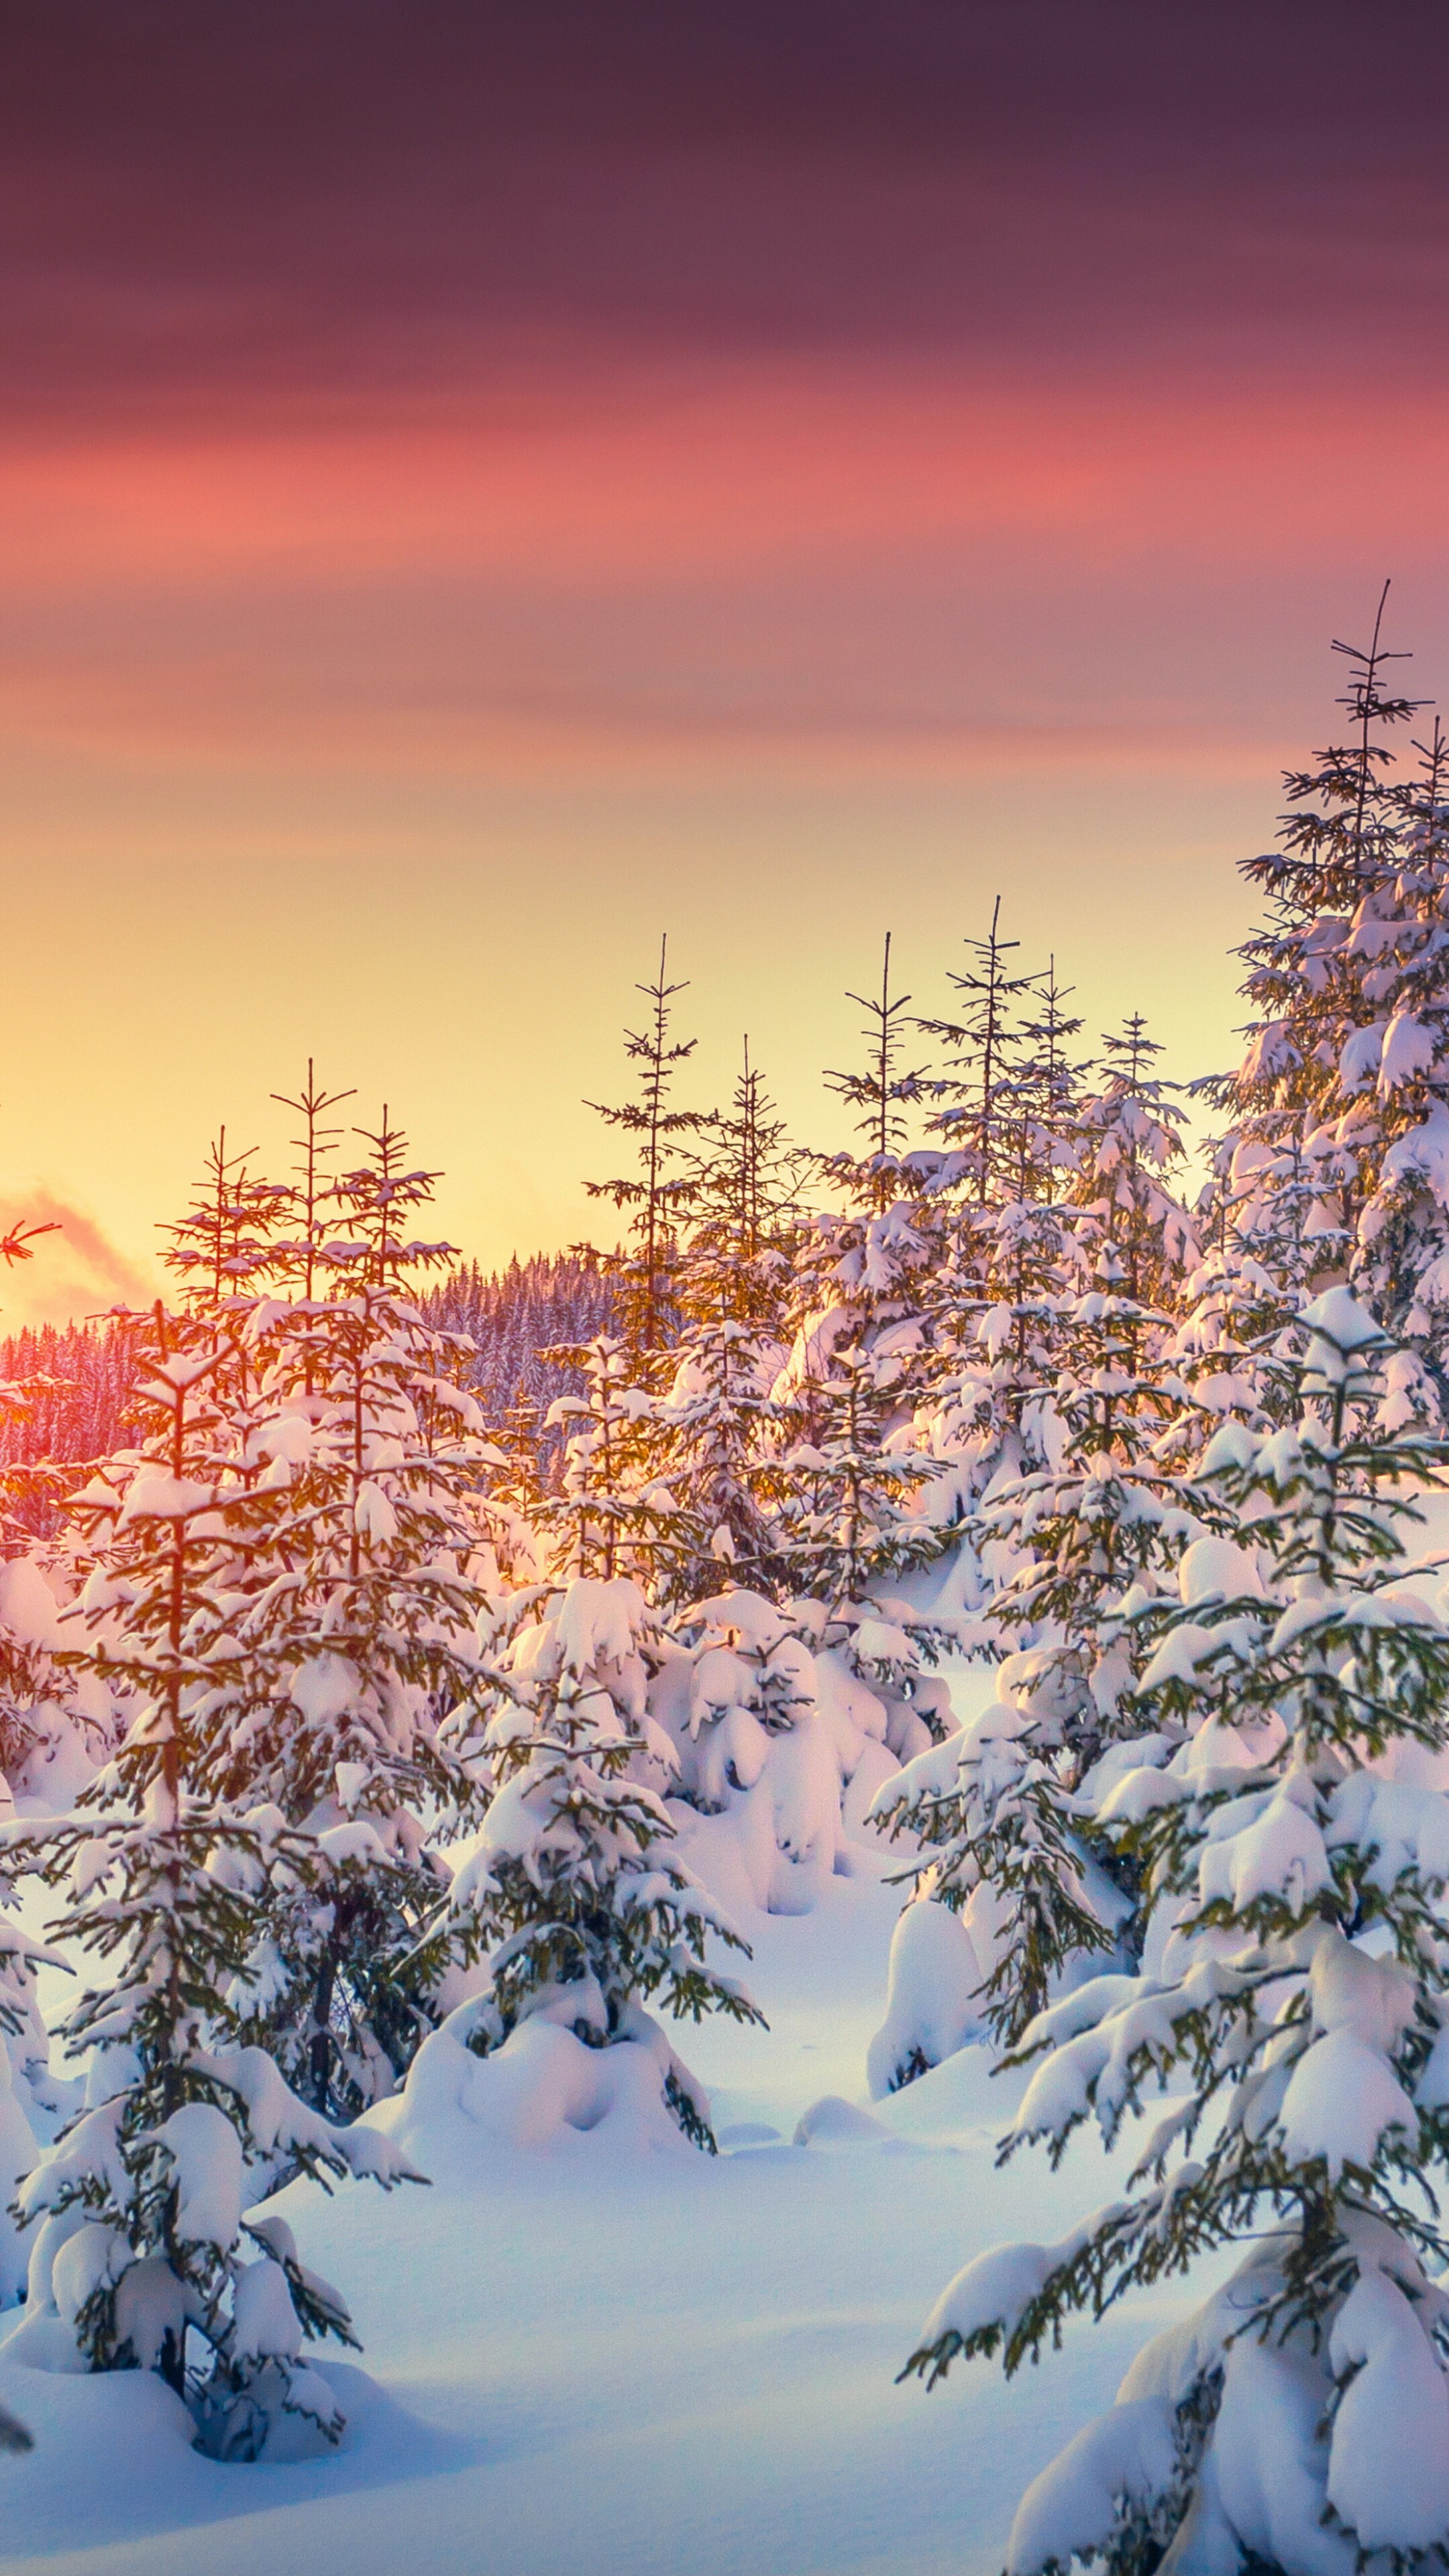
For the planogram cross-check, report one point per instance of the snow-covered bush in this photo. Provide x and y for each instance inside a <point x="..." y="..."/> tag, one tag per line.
<point x="1001" y="1847"/>
<point x="58" y="1717"/>
<point x="572" y="1899"/>
<point x="785" y="1721"/>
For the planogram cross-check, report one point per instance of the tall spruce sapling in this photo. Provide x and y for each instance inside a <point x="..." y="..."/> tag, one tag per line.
<point x="978" y="1041"/>
<point x="843" y="1468"/>
<point x="866" y="1272"/>
<point x="1394" y="1073"/>
<point x="1005" y="1813"/>
<point x="988" y="1416"/>
<point x="1002" y="1813"/>
<point x="880" y="1091"/>
<point x="144" y="2256"/>
<point x="1129" y="1151"/>
<point x="658" y="1197"/>
<point x="221" y="1248"/>
<point x="356" y="1642"/>
<point x="605" y="1517"/>
<point x="1299" y="1147"/>
<point x="1103" y="1521"/>
<point x="845" y="1493"/>
<point x="1301" y="2418"/>
<point x="310" y="1213"/>
<point x="573" y="1898"/>
<point x="712" y="1429"/>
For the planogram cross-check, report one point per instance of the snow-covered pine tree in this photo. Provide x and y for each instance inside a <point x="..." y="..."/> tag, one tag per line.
<point x="847" y="1509"/>
<point x="1300" y="2420"/>
<point x="1129" y="1149"/>
<point x="573" y="1896"/>
<point x="1104" y="1518"/>
<point x="711" y="1430"/>
<point x="220" y="1247"/>
<point x="1004" y="1811"/>
<point x="1396" y="1069"/>
<point x="355" y="1643"/>
<point x="606" y="1518"/>
<point x="988" y="1416"/>
<point x="1296" y="1174"/>
<point x="309" y="1215"/>
<point x="56" y="1723"/>
<point x="879" y="1091"/>
<point x="1001" y="1846"/>
<point x="642" y="1276"/>
<point x="844" y="1473"/>
<point x="979" y="1045"/>
<point x="145" y="2257"/>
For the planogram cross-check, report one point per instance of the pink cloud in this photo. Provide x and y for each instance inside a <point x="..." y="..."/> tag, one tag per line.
<point x="74" y="1272"/>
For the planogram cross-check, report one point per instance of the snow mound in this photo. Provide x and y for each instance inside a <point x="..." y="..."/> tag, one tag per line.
<point x="834" y="2122"/>
<point x="932" y="2006"/>
<point x="542" y="2088"/>
<point x="964" y="2098"/>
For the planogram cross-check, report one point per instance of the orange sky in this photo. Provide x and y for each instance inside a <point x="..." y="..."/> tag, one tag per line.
<point x="461" y="520"/>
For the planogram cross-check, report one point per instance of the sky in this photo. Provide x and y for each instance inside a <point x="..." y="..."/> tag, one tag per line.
<point x="482" y="488"/>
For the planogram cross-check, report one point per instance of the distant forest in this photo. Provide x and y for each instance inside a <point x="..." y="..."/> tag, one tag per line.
<point x="70" y="1385"/>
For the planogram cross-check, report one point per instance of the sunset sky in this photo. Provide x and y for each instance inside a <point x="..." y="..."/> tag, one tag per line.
<point x="483" y="485"/>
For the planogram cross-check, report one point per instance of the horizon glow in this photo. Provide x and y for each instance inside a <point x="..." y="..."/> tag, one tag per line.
<point x="770" y="484"/>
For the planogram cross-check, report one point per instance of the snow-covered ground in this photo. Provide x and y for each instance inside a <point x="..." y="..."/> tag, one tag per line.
<point x="633" y="2364"/>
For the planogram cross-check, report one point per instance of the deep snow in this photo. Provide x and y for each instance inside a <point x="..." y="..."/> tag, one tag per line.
<point x="634" y="2364"/>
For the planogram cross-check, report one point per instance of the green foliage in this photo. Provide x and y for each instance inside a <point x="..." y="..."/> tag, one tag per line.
<point x="573" y="1896"/>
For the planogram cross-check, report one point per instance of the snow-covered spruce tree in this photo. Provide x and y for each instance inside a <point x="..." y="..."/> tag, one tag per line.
<point x="880" y="1091"/>
<point x="56" y="1723"/>
<point x="1004" y="1812"/>
<point x="31" y="2094"/>
<point x="221" y="1246"/>
<point x="987" y="1417"/>
<point x="979" y="1081"/>
<point x="1300" y="1146"/>
<point x="572" y="1896"/>
<point x="309" y="1215"/>
<point x="145" y="2257"/>
<point x="511" y="1550"/>
<point x="846" y="1498"/>
<point x="355" y="1642"/>
<point x="845" y="1470"/>
<point x="998" y="1811"/>
<point x="605" y="1517"/>
<point x="657" y="1198"/>
<point x="1399" y="1061"/>
<point x="1002" y="1849"/>
<point x="1129" y="1149"/>
<point x="711" y="1430"/>
<point x="1104" y="1517"/>
<point x="1300" y="2420"/>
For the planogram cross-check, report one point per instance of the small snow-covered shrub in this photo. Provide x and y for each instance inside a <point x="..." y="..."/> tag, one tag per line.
<point x="572" y="1898"/>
